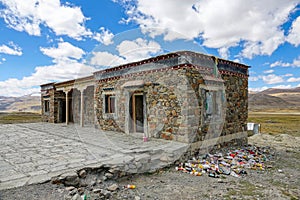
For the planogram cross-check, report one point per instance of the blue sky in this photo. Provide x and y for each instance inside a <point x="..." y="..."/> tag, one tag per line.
<point x="43" y="41"/>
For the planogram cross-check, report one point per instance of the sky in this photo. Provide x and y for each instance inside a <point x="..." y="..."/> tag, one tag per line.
<point x="44" y="41"/>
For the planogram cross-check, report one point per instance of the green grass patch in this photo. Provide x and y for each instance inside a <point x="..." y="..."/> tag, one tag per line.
<point x="19" y="117"/>
<point x="277" y="123"/>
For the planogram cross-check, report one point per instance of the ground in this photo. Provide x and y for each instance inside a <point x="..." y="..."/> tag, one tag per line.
<point x="281" y="181"/>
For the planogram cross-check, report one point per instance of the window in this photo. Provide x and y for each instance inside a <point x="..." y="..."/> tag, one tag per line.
<point x="46" y="106"/>
<point x="213" y="104"/>
<point x="110" y="103"/>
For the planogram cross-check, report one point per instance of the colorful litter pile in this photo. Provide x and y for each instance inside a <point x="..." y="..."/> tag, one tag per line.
<point x="234" y="162"/>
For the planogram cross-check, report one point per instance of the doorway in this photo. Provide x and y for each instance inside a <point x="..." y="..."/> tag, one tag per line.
<point x="136" y="112"/>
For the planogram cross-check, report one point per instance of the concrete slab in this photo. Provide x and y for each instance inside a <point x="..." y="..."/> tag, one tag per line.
<point x="35" y="152"/>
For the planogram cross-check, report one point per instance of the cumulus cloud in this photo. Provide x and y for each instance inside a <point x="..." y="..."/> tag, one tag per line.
<point x="256" y="25"/>
<point x="105" y="36"/>
<point x="65" y="70"/>
<point x="11" y="49"/>
<point x="269" y="71"/>
<point x="106" y="59"/>
<point x="30" y="15"/>
<point x="253" y="78"/>
<point x="293" y="79"/>
<point x="294" y="33"/>
<point x="272" y="79"/>
<point x="137" y="49"/>
<point x="295" y="63"/>
<point x="128" y="51"/>
<point x="65" y="50"/>
<point x="258" y="89"/>
<point x="283" y="86"/>
<point x="66" y="65"/>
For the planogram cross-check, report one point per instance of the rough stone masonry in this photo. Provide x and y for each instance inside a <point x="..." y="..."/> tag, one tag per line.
<point x="183" y="96"/>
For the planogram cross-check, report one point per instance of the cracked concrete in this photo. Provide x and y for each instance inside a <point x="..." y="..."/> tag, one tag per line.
<point x="35" y="152"/>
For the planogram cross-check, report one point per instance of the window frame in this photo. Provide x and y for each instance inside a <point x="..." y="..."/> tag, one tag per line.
<point x="109" y="103"/>
<point x="46" y="105"/>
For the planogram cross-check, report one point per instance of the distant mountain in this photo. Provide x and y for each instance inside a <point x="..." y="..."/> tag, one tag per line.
<point x="258" y="101"/>
<point x="271" y="91"/>
<point x="275" y="98"/>
<point x="20" y="104"/>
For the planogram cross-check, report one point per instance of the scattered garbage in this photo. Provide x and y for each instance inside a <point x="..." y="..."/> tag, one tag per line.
<point x="130" y="186"/>
<point x="234" y="162"/>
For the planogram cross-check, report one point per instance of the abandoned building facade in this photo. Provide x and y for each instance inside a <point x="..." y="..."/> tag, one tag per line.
<point x="182" y="96"/>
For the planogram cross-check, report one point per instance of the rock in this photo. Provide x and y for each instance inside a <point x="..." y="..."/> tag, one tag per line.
<point x="106" y="193"/>
<point x="97" y="190"/>
<point x="76" y="197"/>
<point x="69" y="179"/>
<point x="67" y="197"/>
<point x="73" y="192"/>
<point x="56" y="180"/>
<point x="70" y="188"/>
<point x="93" y="183"/>
<point x="83" y="184"/>
<point x="82" y="173"/>
<point x="137" y="198"/>
<point x="72" y="181"/>
<point x="104" y="178"/>
<point x="81" y="191"/>
<point x="108" y="175"/>
<point x="113" y="170"/>
<point x="99" y="181"/>
<point x="113" y="187"/>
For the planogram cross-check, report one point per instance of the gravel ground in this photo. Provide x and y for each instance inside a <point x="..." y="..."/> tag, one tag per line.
<point x="279" y="182"/>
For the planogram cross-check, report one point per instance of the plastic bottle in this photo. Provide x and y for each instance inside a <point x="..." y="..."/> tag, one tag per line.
<point x="129" y="186"/>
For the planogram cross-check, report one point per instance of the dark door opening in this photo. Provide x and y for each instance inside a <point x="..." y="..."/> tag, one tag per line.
<point x="62" y="111"/>
<point x="136" y="111"/>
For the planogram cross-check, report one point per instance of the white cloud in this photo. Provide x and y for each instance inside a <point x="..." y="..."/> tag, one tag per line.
<point x="253" y="78"/>
<point x="128" y="51"/>
<point x="294" y="33"/>
<point x="259" y="89"/>
<point x="293" y="79"/>
<point x="295" y="63"/>
<point x="65" y="70"/>
<point x="11" y="49"/>
<point x="106" y="59"/>
<point x="287" y="75"/>
<point x="269" y="71"/>
<point x="255" y="24"/>
<point x="272" y="79"/>
<point x="137" y="49"/>
<point x="105" y="36"/>
<point x="224" y="52"/>
<point x="30" y="15"/>
<point x="283" y="86"/>
<point x="64" y="50"/>
<point x="66" y="65"/>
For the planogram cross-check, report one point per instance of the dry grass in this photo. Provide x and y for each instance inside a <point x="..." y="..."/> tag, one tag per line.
<point x="19" y="117"/>
<point x="277" y="123"/>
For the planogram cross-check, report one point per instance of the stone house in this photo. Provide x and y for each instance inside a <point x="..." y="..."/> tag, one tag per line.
<point x="183" y="96"/>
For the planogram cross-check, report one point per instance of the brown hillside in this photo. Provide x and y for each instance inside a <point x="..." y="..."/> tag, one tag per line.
<point x="264" y="101"/>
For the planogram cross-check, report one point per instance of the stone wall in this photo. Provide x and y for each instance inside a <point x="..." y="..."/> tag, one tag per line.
<point x="163" y="104"/>
<point x="89" y="106"/>
<point x="48" y="96"/>
<point x="176" y="104"/>
<point x="237" y="104"/>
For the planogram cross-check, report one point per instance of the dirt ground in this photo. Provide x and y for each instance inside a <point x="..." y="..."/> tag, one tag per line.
<point x="281" y="181"/>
